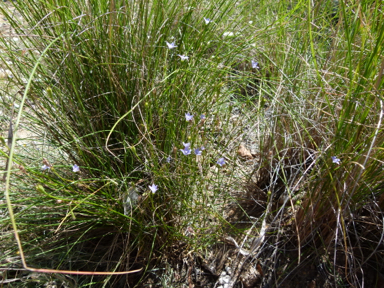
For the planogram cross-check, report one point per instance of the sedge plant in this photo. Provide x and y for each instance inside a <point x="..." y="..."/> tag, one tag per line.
<point x="139" y="108"/>
<point x="125" y="101"/>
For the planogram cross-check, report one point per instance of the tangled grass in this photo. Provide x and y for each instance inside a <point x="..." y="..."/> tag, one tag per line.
<point x="137" y="110"/>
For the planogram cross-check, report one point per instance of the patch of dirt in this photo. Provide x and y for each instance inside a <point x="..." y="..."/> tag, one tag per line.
<point x="226" y="267"/>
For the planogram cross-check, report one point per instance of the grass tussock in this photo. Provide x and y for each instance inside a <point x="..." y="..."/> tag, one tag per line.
<point x="137" y="110"/>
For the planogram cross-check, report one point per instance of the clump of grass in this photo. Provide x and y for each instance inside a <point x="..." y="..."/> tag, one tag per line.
<point x="315" y="88"/>
<point x="111" y="95"/>
<point x="116" y="98"/>
<point x="327" y="103"/>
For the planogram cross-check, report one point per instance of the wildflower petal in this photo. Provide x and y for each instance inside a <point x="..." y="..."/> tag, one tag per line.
<point x="198" y="151"/>
<point x="255" y="65"/>
<point x="221" y="161"/>
<point x="75" y="168"/>
<point x="183" y="57"/>
<point x="207" y="20"/>
<point x="187" y="148"/>
<point x="153" y="187"/>
<point x="186" y="151"/>
<point x="171" y="45"/>
<point x="188" y="116"/>
<point x="336" y="160"/>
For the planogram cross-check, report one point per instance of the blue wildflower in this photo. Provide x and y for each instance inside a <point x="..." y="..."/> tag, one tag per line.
<point x="187" y="148"/>
<point x="188" y="116"/>
<point x="75" y="168"/>
<point x="255" y="65"/>
<point x="45" y="167"/>
<point x="183" y="57"/>
<point x="336" y="160"/>
<point x="207" y="20"/>
<point x="153" y="188"/>
<point x="199" y="151"/>
<point x="171" y="45"/>
<point x="221" y="161"/>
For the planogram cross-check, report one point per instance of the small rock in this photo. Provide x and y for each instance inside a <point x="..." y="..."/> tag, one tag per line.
<point x="226" y="279"/>
<point x="229" y="270"/>
<point x="228" y="34"/>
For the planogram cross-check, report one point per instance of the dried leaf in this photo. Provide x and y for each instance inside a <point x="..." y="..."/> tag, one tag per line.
<point x="244" y="152"/>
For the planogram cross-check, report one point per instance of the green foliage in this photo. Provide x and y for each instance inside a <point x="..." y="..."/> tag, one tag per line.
<point x="111" y="96"/>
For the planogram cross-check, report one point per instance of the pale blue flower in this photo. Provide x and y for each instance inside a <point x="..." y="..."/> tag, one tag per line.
<point x="169" y="158"/>
<point x="255" y="65"/>
<point x="207" y="20"/>
<point x="187" y="148"/>
<point x="221" y="161"/>
<point x="202" y="116"/>
<point x="45" y="167"/>
<point x="153" y="188"/>
<point x="75" y="168"/>
<point x="336" y="160"/>
<point x="198" y="151"/>
<point x="188" y="116"/>
<point x="183" y="57"/>
<point x="171" y="45"/>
